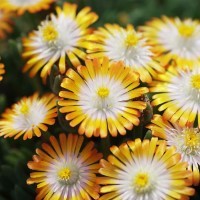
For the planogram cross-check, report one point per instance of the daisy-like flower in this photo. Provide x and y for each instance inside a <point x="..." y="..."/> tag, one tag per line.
<point x="101" y="96"/>
<point x="120" y="44"/>
<point x="174" y="39"/>
<point x="5" y="24"/>
<point x="178" y="95"/>
<point x="144" y="170"/>
<point x="20" y="6"/>
<point x="63" y="171"/>
<point x="29" y="117"/>
<point x="186" y="140"/>
<point x="61" y="36"/>
<point x="2" y="71"/>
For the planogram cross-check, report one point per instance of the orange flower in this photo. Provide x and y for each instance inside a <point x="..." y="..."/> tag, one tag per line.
<point x="102" y="98"/>
<point x="144" y="170"/>
<point x="29" y="117"/>
<point x="63" y="171"/>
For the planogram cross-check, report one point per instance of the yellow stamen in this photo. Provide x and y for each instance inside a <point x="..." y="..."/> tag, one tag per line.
<point x="186" y="30"/>
<point x="195" y="81"/>
<point x="64" y="173"/>
<point x="192" y="138"/>
<point x="49" y="33"/>
<point x="131" y="39"/>
<point x="24" y="108"/>
<point x="141" y="182"/>
<point x="103" y="92"/>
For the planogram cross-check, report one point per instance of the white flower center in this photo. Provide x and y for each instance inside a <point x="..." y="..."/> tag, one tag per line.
<point x="186" y="30"/>
<point x="188" y="141"/>
<point x="195" y="81"/>
<point x="142" y="183"/>
<point x="184" y="89"/>
<point x="59" y="34"/>
<point x="128" y="47"/>
<point x="182" y="40"/>
<point x="102" y="95"/>
<point x="49" y="33"/>
<point x="29" y="115"/>
<point x="68" y="175"/>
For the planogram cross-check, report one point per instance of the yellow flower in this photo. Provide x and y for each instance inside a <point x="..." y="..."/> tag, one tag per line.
<point x="186" y="140"/>
<point x="175" y="40"/>
<point x="20" y="6"/>
<point x="178" y="95"/>
<point x="124" y="44"/>
<point x="144" y="170"/>
<point x="101" y="97"/>
<point x="61" y="36"/>
<point x="5" y="23"/>
<point x="62" y="171"/>
<point x="2" y="71"/>
<point x="29" y="117"/>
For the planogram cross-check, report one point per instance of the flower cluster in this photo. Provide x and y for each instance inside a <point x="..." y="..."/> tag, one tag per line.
<point x="106" y="83"/>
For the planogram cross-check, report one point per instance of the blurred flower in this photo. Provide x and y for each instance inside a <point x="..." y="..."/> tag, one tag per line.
<point x="186" y="140"/>
<point x="29" y="116"/>
<point x="144" y="170"/>
<point x="58" y="37"/>
<point x="120" y="44"/>
<point x="20" y="6"/>
<point x="174" y="39"/>
<point x="101" y="96"/>
<point x="2" y="71"/>
<point x="62" y="171"/>
<point x="5" y="23"/>
<point x="178" y="94"/>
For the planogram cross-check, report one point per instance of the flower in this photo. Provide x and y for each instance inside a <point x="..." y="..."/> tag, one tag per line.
<point x="20" y="6"/>
<point x="174" y="39"/>
<point x="186" y="140"/>
<point x="60" y="36"/>
<point x="178" y="95"/>
<point x="2" y="71"/>
<point x="120" y="44"/>
<point x="5" y="23"/>
<point x="29" y="117"/>
<point x="101" y="96"/>
<point x="62" y="171"/>
<point x="144" y="170"/>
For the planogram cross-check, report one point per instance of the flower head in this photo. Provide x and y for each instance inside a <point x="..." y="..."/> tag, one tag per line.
<point x="63" y="171"/>
<point x="178" y="95"/>
<point x="29" y="117"/>
<point x="120" y="44"/>
<point x="101" y="98"/>
<point x="174" y="39"/>
<point x="2" y="71"/>
<point x="61" y="36"/>
<point x="186" y="140"/>
<point x="20" y="6"/>
<point x="5" y="23"/>
<point x="144" y="170"/>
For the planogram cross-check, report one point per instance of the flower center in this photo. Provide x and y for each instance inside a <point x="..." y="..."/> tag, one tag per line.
<point x="103" y="92"/>
<point x="195" y="81"/>
<point x="49" y="33"/>
<point x="131" y="39"/>
<point x="141" y="182"/>
<point x="192" y="138"/>
<point x="64" y="174"/>
<point x="186" y="30"/>
<point x="24" y="109"/>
